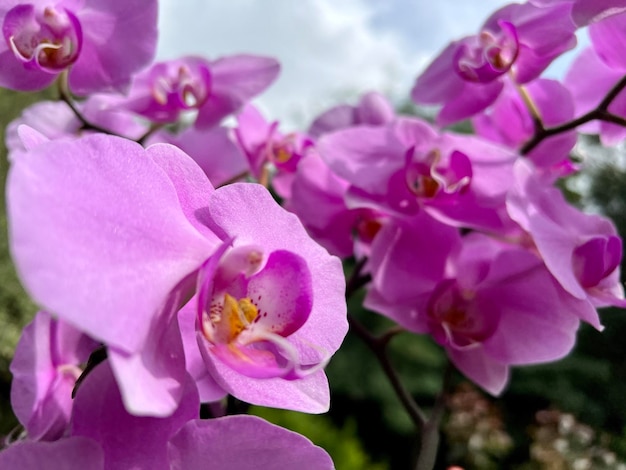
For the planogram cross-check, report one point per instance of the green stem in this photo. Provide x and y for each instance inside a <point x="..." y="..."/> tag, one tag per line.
<point x="66" y="96"/>
<point x="429" y="446"/>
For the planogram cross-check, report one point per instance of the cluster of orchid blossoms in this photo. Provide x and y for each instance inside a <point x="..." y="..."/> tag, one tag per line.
<point x="168" y="275"/>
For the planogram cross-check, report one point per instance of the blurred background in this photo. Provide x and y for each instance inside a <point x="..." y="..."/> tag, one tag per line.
<point x="570" y="414"/>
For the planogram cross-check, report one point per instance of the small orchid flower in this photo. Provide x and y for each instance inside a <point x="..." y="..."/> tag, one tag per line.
<point x="318" y="198"/>
<point x="582" y="251"/>
<point x="519" y="40"/>
<point x="461" y="180"/>
<point x="372" y="109"/>
<point x="215" y="89"/>
<point x="46" y="365"/>
<point x="54" y="119"/>
<point x="264" y="144"/>
<point x="595" y="72"/>
<point x="490" y="305"/>
<point x="92" y="39"/>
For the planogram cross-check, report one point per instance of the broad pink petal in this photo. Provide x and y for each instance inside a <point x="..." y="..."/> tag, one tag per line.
<point x="119" y="38"/>
<point x="128" y="441"/>
<point x="481" y="368"/>
<point x="98" y="235"/>
<point x="259" y="444"/>
<point x="74" y="453"/>
<point x="236" y="80"/>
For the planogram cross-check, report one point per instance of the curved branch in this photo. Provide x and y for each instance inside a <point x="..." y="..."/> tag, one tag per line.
<point x="600" y="113"/>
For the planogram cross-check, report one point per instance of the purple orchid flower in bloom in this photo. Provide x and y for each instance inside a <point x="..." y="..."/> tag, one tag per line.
<point x="490" y="305"/>
<point x="102" y="43"/>
<point x="104" y="436"/>
<point x="519" y="40"/>
<point x="372" y="109"/>
<point x="215" y="89"/>
<point x="582" y="251"/>
<point x="509" y="122"/>
<point x="406" y="166"/>
<point x="132" y="258"/>
<point x="45" y="368"/>
<point x="263" y="143"/>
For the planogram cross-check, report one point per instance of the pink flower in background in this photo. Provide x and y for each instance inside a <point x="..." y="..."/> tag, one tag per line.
<point x="45" y="367"/>
<point x="264" y="144"/>
<point x="519" y="40"/>
<point x="102" y="42"/>
<point x="215" y="89"/>
<point x="582" y="251"/>
<point x="489" y="304"/>
<point x="406" y="166"/>
<point x="318" y="199"/>
<point x="585" y="12"/>
<point x="372" y="109"/>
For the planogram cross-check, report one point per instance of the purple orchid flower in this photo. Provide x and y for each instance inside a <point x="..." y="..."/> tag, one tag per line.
<point x="215" y="89"/>
<point x="406" y="166"/>
<point x="489" y="304"/>
<point x="582" y="251"/>
<point x="45" y="368"/>
<point x="102" y="42"/>
<point x="263" y="143"/>
<point x="519" y="40"/>
<point x="131" y="259"/>
<point x="589" y="79"/>
<point x="596" y="71"/>
<point x="372" y="109"/>
<point x="318" y="198"/>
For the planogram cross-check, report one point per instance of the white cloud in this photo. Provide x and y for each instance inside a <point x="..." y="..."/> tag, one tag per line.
<point x="328" y="49"/>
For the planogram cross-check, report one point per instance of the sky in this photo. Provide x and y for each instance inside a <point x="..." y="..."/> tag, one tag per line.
<point x="330" y="50"/>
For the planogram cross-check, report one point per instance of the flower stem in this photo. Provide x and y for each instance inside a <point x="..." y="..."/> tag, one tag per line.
<point x="430" y="431"/>
<point x="66" y="96"/>
<point x="600" y="113"/>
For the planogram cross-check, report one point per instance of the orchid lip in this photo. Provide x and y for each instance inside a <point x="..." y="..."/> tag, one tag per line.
<point x="488" y="55"/>
<point x="249" y="304"/>
<point x="49" y="41"/>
